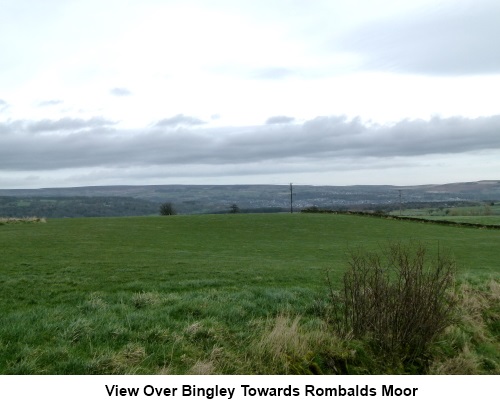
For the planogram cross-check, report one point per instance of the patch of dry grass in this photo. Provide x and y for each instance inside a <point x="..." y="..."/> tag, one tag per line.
<point x="470" y="337"/>
<point x="12" y="220"/>
<point x="465" y="362"/>
<point x="146" y="299"/>
<point x="285" y="346"/>
<point x="213" y="364"/>
<point x="125" y="361"/>
<point x="282" y="337"/>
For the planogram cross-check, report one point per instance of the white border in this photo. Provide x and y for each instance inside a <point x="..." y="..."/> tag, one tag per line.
<point x="85" y="390"/>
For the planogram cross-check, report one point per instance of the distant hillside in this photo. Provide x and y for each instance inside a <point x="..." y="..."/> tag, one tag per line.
<point x="188" y="199"/>
<point x="60" y="207"/>
<point x="474" y="189"/>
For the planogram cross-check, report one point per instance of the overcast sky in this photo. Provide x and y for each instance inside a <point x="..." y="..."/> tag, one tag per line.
<point x="333" y="92"/>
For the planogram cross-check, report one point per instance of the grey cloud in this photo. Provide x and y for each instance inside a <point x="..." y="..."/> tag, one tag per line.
<point x="456" y="40"/>
<point x="179" y="119"/>
<point x="120" y="92"/>
<point x="67" y="124"/>
<point x="33" y="146"/>
<point x="337" y="125"/>
<point x="438" y="135"/>
<point x="279" y="119"/>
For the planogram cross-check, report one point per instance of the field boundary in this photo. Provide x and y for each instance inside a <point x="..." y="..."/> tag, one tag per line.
<point x="401" y="218"/>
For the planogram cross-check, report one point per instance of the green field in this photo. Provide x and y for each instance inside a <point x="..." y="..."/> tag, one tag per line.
<point x="187" y="294"/>
<point x="457" y="214"/>
<point x="482" y="220"/>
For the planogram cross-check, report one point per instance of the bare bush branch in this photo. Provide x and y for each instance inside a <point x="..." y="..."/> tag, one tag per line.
<point x="399" y="300"/>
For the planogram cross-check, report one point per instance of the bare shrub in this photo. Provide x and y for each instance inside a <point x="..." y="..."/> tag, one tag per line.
<point x="398" y="300"/>
<point x="167" y="208"/>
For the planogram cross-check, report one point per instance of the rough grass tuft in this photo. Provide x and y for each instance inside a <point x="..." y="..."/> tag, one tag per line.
<point x="26" y="220"/>
<point x="287" y="345"/>
<point x="472" y="344"/>
<point x="146" y="299"/>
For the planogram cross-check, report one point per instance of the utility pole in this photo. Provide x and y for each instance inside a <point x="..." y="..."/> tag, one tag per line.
<point x="291" y="199"/>
<point x="399" y="202"/>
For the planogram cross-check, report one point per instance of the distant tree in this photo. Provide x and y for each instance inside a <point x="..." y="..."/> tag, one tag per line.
<point x="234" y="209"/>
<point x="487" y="210"/>
<point x="167" y="208"/>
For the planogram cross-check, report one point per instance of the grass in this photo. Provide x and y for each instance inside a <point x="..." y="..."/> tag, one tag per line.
<point x="472" y="345"/>
<point x="471" y="219"/>
<point x="479" y="214"/>
<point x="230" y="294"/>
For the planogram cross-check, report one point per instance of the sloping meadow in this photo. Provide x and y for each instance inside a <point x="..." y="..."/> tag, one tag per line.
<point x="217" y="294"/>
